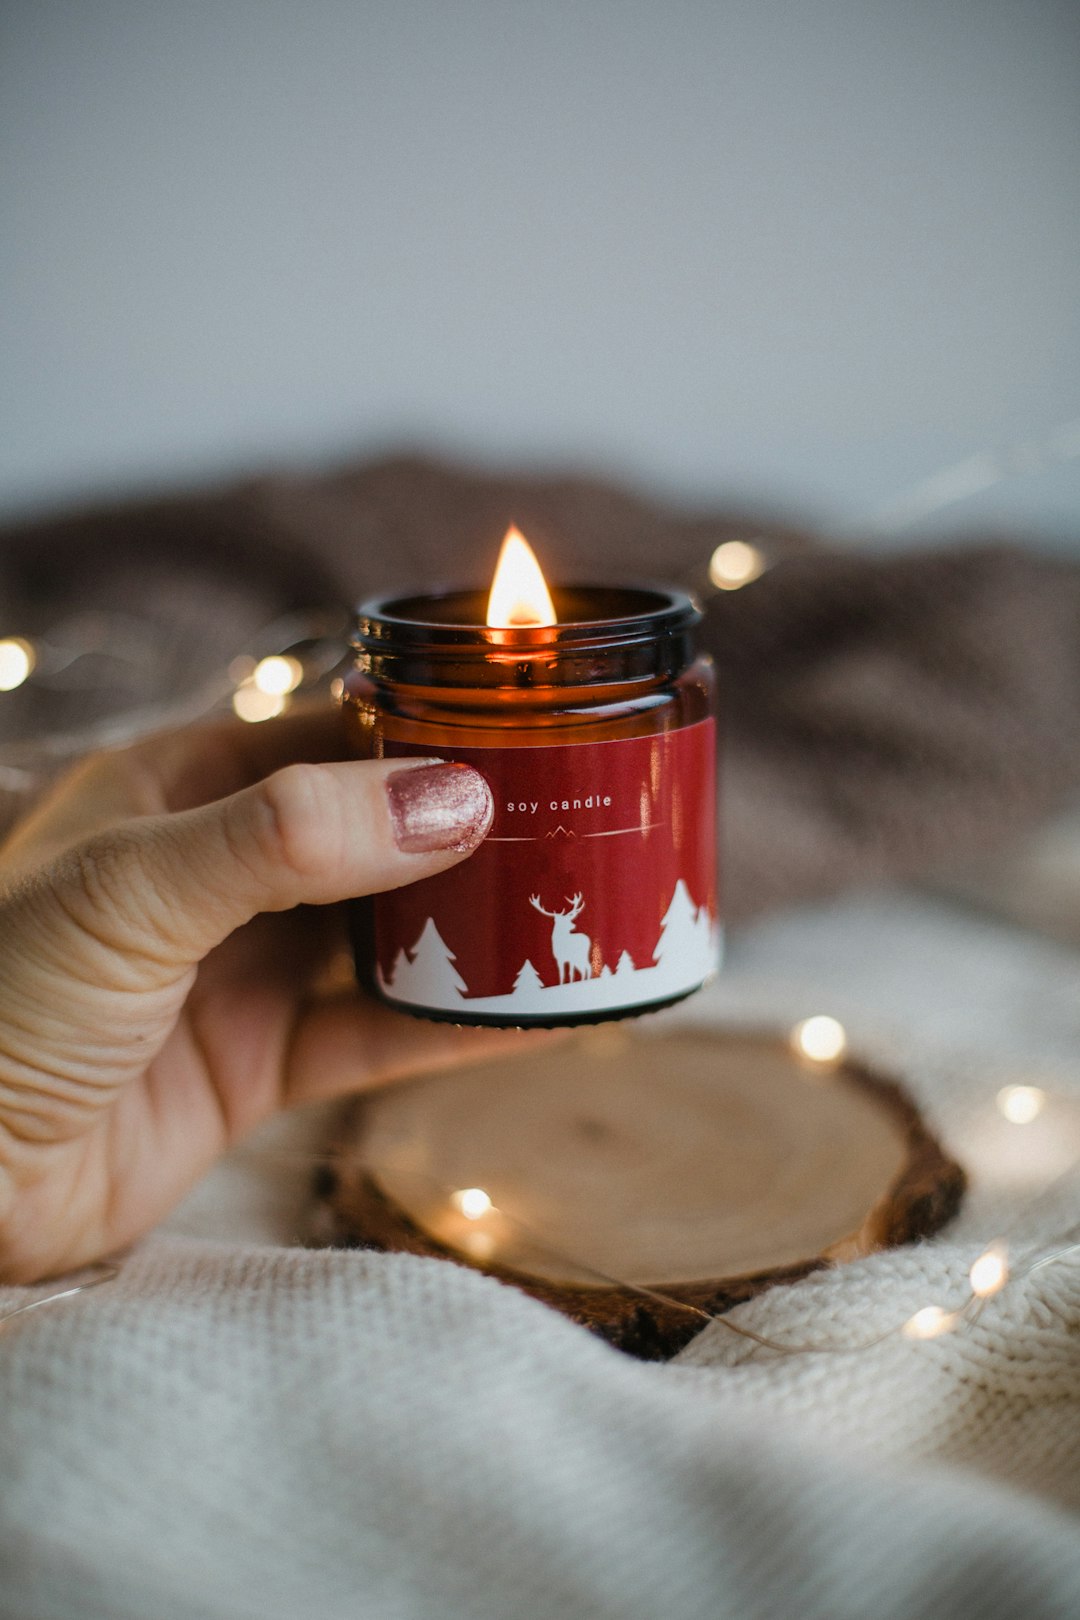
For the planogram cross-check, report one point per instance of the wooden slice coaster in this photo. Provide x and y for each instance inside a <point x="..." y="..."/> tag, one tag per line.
<point x="700" y="1165"/>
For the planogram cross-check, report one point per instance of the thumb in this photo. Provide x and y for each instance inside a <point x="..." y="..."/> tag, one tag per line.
<point x="170" y="888"/>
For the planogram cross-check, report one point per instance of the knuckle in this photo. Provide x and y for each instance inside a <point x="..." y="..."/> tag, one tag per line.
<point x="105" y="882"/>
<point x="297" y="807"/>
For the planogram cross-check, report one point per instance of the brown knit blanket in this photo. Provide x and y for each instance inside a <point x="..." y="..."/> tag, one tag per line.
<point x="884" y="715"/>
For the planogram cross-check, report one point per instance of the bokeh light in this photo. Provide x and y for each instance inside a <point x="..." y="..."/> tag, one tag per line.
<point x="252" y="705"/>
<point x="734" y="564"/>
<point x="17" y="660"/>
<point x="1021" y="1104"/>
<point x="473" y="1202"/>
<point x="278" y="675"/>
<point x="989" y="1273"/>
<point x="929" y="1323"/>
<point x="821" y="1038"/>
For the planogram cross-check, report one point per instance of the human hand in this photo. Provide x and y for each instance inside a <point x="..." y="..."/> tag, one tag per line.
<point x="159" y="993"/>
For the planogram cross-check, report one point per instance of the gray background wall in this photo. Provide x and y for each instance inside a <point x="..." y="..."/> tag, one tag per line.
<point x="805" y="253"/>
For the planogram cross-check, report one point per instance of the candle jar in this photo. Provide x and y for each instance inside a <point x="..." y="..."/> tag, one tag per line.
<point x="594" y="894"/>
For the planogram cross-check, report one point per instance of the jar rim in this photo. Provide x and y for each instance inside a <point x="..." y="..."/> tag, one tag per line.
<point x="454" y="618"/>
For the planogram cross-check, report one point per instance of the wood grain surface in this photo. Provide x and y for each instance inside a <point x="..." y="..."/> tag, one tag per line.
<point x="639" y="1179"/>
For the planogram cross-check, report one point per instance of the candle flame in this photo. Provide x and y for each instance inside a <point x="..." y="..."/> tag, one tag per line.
<point x="519" y="594"/>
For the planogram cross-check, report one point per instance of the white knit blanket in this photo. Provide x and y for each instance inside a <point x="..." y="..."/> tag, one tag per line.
<point x="236" y="1427"/>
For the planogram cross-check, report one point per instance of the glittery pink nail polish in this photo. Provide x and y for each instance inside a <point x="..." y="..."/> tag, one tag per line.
<point x="439" y="807"/>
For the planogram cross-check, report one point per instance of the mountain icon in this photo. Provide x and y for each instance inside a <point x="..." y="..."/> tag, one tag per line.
<point x="560" y="831"/>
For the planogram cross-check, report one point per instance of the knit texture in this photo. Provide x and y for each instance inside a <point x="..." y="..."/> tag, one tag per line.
<point x="236" y="1427"/>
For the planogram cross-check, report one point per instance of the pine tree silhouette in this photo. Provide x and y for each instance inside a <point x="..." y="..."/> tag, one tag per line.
<point x="678" y="927"/>
<point x="433" y="972"/>
<point x="399" y="973"/>
<point x="527" y="978"/>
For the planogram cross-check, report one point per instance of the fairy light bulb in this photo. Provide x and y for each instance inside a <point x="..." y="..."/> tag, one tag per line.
<point x="17" y="660"/>
<point x="929" y="1323"/>
<point x="519" y="596"/>
<point x="734" y="564"/>
<point x="473" y="1202"/>
<point x="989" y="1273"/>
<point x="253" y="706"/>
<point x="278" y="675"/>
<point x="821" y="1039"/>
<point x="1021" y="1104"/>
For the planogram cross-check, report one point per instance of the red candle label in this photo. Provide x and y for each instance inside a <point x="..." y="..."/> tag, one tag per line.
<point x="595" y="889"/>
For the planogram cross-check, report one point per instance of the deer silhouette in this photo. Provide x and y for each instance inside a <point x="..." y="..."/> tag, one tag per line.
<point x="569" y="948"/>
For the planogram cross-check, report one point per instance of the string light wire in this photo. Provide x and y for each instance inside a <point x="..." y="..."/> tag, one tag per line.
<point x="295" y="652"/>
<point x="990" y="1273"/>
<point x="737" y="563"/>
<point x="971" y="476"/>
<point x="927" y="1323"/>
<point x="105" y="1273"/>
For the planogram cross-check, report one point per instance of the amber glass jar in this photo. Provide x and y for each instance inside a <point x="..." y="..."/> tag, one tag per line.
<point x="594" y="894"/>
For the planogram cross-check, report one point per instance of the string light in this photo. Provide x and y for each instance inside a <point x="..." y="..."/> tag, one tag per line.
<point x="1021" y="1104"/>
<point x="278" y="674"/>
<point x="473" y="1202"/>
<point x="988" y="1275"/>
<point x="734" y="564"/>
<point x="17" y="661"/>
<point x="261" y="689"/>
<point x="316" y="643"/>
<point x="821" y="1039"/>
